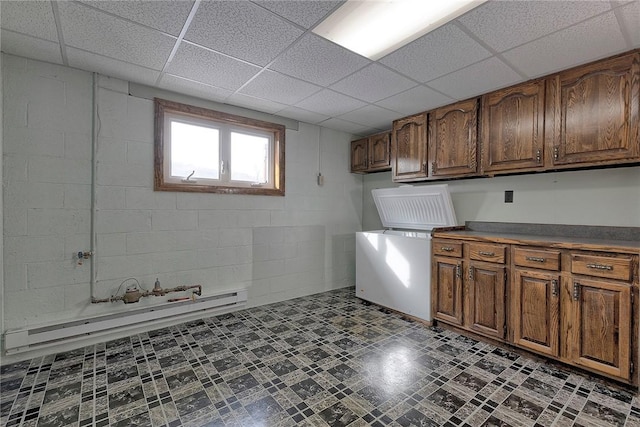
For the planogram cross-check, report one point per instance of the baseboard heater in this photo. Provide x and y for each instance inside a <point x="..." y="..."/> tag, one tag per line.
<point x="21" y="340"/>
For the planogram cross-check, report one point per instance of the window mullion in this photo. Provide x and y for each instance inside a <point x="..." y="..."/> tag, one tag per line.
<point x="225" y="153"/>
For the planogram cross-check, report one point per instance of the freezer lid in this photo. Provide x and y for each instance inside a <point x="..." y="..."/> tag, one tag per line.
<point x="417" y="208"/>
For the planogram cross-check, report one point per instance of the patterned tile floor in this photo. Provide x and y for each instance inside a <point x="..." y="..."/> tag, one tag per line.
<point x="326" y="359"/>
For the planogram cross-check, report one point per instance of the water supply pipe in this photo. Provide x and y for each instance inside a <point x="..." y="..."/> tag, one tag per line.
<point x="94" y="168"/>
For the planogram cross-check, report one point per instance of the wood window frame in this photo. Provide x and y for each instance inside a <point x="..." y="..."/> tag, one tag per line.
<point x="163" y="107"/>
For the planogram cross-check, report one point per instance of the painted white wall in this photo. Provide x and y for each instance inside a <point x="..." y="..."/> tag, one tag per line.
<point x="1" y="194"/>
<point x="220" y="241"/>
<point x="590" y="197"/>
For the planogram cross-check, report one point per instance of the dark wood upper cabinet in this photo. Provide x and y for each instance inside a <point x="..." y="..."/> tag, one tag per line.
<point x="371" y="154"/>
<point x="380" y="151"/>
<point x="409" y="148"/>
<point x="359" y="155"/>
<point x="512" y="132"/>
<point x="453" y="135"/>
<point x="593" y="113"/>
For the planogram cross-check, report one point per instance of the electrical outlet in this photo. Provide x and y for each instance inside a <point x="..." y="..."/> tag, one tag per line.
<point x="508" y="196"/>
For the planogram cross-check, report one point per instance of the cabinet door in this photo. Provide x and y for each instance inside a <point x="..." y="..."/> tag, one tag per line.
<point x="380" y="152"/>
<point x="486" y="299"/>
<point x="593" y="113"/>
<point x="409" y="148"/>
<point x="535" y="308"/>
<point x="513" y="128"/>
<point x="447" y="290"/>
<point x="453" y="135"/>
<point x="602" y="321"/>
<point x="359" y="155"/>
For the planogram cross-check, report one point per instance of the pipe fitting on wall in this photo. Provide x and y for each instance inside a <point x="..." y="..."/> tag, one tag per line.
<point x="133" y="295"/>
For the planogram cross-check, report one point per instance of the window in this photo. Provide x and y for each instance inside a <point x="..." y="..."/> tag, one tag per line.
<point x="202" y="150"/>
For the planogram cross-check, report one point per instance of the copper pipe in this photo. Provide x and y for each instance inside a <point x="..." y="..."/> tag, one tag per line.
<point x="131" y="296"/>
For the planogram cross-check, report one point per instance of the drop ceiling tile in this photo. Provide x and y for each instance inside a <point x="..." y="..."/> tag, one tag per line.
<point x="630" y="15"/>
<point x="33" y="18"/>
<point x="111" y="67"/>
<point x="91" y="30"/>
<point x="373" y="83"/>
<point x="188" y="87"/>
<point x="205" y="66"/>
<point x="371" y="116"/>
<point x="302" y="115"/>
<point x="167" y="16"/>
<point x="476" y="79"/>
<point x="330" y="103"/>
<point x="304" y="13"/>
<point x="318" y="61"/>
<point x="278" y="88"/>
<point x="254" y="103"/>
<point x="241" y="29"/>
<point x="506" y="24"/>
<point x="590" y="40"/>
<point x="348" y="127"/>
<point x="415" y="100"/>
<point x="31" y="47"/>
<point x="435" y="54"/>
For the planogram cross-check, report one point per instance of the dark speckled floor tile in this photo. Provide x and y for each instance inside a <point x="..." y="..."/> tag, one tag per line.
<point x="323" y="360"/>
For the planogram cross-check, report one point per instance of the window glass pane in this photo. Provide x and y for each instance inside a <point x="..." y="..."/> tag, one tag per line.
<point x="249" y="158"/>
<point x="194" y="148"/>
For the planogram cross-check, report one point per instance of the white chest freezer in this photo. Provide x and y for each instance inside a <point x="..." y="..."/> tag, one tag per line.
<point x="393" y="266"/>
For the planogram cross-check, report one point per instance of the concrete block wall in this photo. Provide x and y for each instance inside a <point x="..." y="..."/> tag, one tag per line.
<point x="276" y="247"/>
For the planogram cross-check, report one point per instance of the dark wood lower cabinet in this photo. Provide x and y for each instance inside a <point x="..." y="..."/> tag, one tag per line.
<point x="535" y="305"/>
<point x="565" y="301"/>
<point x="486" y="299"/>
<point x="602" y="319"/>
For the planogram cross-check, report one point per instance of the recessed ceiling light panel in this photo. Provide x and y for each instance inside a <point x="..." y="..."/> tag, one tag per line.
<point x="374" y="28"/>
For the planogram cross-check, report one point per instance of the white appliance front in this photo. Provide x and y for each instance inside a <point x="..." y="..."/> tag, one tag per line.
<point x="393" y="267"/>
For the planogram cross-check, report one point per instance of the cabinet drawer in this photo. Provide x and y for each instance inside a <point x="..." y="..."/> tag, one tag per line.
<point x="619" y="267"/>
<point x="487" y="252"/>
<point x="537" y="258"/>
<point x="447" y="248"/>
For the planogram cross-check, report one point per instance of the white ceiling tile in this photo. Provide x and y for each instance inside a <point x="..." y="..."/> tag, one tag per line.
<point x="30" y="47"/>
<point x="630" y="15"/>
<point x="440" y="52"/>
<point x="254" y="103"/>
<point x="304" y="13"/>
<point x="88" y="29"/>
<point x="34" y="18"/>
<point x="203" y="65"/>
<point x="348" y="127"/>
<point x="111" y="67"/>
<point x="278" y="88"/>
<point x="372" y="116"/>
<point x="506" y="24"/>
<point x="373" y="83"/>
<point x="241" y="29"/>
<point x="414" y="100"/>
<point x="592" y="39"/>
<point x="476" y="79"/>
<point x="167" y="16"/>
<point x="188" y="87"/>
<point x="330" y="103"/>
<point x="302" y="115"/>
<point x="318" y="61"/>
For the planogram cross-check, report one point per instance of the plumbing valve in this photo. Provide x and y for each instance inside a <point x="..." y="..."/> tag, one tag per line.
<point x="82" y="256"/>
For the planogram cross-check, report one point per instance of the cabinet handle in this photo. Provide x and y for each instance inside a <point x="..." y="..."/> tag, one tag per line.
<point x="470" y="273"/>
<point x="535" y="259"/>
<point x="538" y="156"/>
<point x="483" y="253"/>
<point x="600" y="267"/>
<point x="458" y="271"/>
<point x="446" y="249"/>
<point x="554" y="287"/>
<point x="576" y="291"/>
<point x="556" y="153"/>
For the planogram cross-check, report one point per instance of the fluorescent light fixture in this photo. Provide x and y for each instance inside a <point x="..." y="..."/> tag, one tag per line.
<point x="374" y="28"/>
